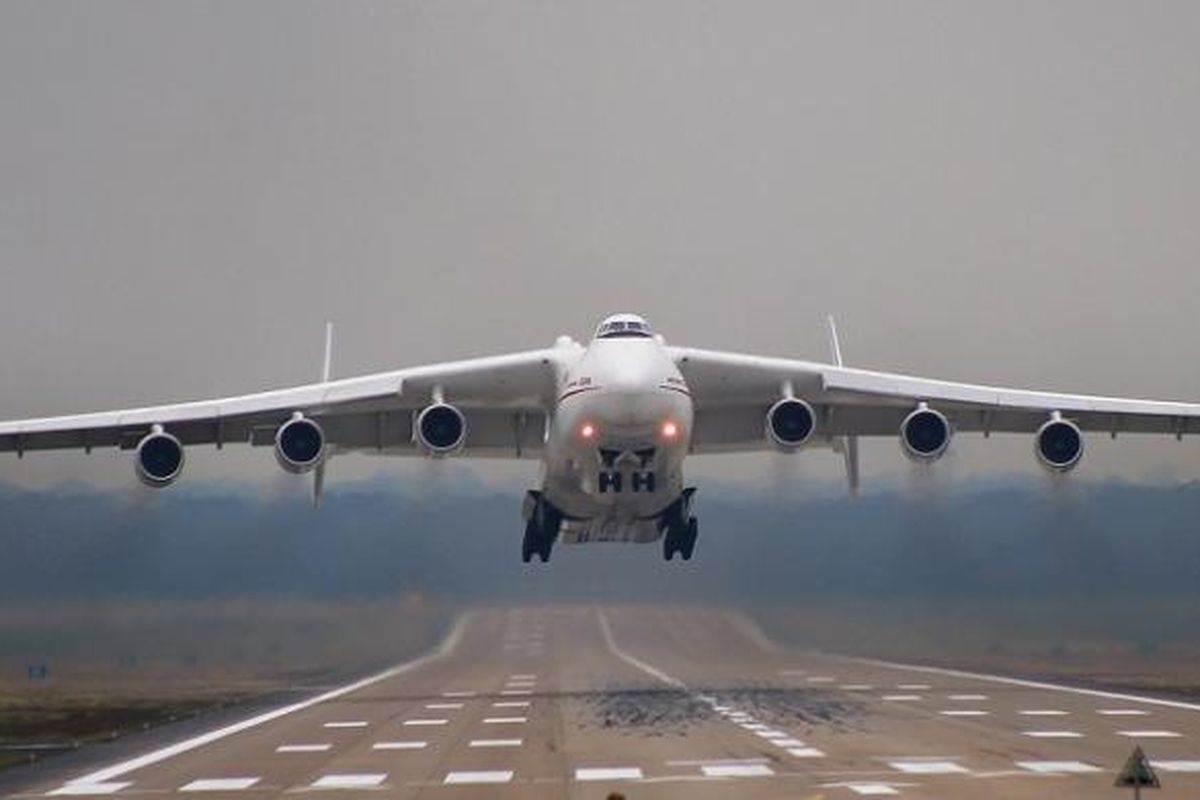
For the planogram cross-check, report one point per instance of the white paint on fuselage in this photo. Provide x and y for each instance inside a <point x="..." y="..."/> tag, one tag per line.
<point x="624" y="390"/>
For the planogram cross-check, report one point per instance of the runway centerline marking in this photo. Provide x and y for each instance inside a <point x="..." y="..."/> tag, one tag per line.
<point x="1122" y="712"/>
<point x="1043" y="712"/>
<point x="1053" y="734"/>
<point x="424" y="722"/>
<point x="495" y="743"/>
<point x="902" y="698"/>
<point x="458" y="694"/>
<point x="608" y="774"/>
<point x="105" y="775"/>
<point x="736" y="770"/>
<point x="1150" y="734"/>
<point x="443" y="706"/>
<point x="479" y="776"/>
<point x="968" y="697"/>
<point x="965" y="712"/>
<point x="504" y="720"/>
<point x="358" y="723"/>
<point x="219" y="784"/>
<point x="929" y="767"/>
<point x="1176" y="766"/>
<point x="511" y="704"/>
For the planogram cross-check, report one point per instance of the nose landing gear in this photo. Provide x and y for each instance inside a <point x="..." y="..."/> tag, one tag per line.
<point x="542" y="521"/>
<point x="680" y="528"/>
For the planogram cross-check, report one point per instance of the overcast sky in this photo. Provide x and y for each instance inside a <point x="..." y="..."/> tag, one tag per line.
<point x="1001" y="192"/>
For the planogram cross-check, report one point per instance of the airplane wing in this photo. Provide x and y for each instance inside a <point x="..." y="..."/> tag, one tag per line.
<point x="502" y="399"/>
<point x="733" y="393"/>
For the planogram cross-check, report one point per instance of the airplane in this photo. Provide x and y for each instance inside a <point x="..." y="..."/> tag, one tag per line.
<point x="612" y="422"/>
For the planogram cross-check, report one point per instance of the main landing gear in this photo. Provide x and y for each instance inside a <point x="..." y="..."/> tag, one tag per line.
<point x="679" y="528"/>
<point x="542" y="521"/>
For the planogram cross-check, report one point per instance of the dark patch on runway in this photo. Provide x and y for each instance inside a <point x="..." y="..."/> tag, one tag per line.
<point x="673" y="712"/>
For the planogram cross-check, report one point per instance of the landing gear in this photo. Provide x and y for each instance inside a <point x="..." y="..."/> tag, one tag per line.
<point x="542" y="521"/>
<point x="680" y="528"/>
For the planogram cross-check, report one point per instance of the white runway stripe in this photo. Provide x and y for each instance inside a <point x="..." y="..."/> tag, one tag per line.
<point x="1122" y="712"/>
<point x="871" y="788"/>
<point x="516" y="692"/>
<point x="82" y="788"/>
<point x="964" y="712"/>
<point x="524" y="676"/>
<point x="608" y="774"/>
<point x="348" y="724"/>
<point x="805" y="752"/>
<point x="1043" y="712"/>
<point x="458" y="694"/>
<point x="495" y="743"/>
<point x="219" y="784"/>
<point x="365" y="780"/>
<point x="443" y="706"/>
<point x="902" y="698"/>
<point x="479" y="776"/>
<point x="736" y="770"/>
<point x="1150" y="734"/>
<point x="417" y="723"/>
<point x="856" y="687"/>
<point x="968" y="697"/>
<point x="399" y="745"/>
<point x="511" y="704"/>
<point x="1058" y="766"/>
<point x="914" y="687"/>
<point x="303" y="748"/>
<point x="1053" y="734"/>
<point x="1176" y="766"/>
<point x="929" y="767"/>
<point x="504" y="720"/>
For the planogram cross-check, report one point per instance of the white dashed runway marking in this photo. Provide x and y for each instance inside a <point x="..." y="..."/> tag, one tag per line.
<point x="1053" y="734"/>
<point x="86" y="788"/>
<point x="736" y="770"/>
<point x="870" y="788"/>
<point x="820" y="679"/>
<point x="524" y="676"/>
<point x="218" y="785"/>
<point x="504" y="720"/>
<point x="302" y="748"/>
<point x="964" y="712"/>
<point x="418" y="723"/>
<point x="511" y="704"/>
<point x="968" y="697"/>
<point x="608" y="774"/>
<point x="458" y="694"/>
<point x="929" y="767"/>
<point x="914" y="687"/>
<point x="479" y="776"/>
<point x="364" y="780"/>
<point x="1150" y="734"/>
<point x="805" y="752"/>
<point x="399" y="745"/>
<point x="1076" y="767"/>
<point x="443" y="706"/>
<point x="1122" y="712"/>
<point x="902" y="698"/>
<point x="1043" y="712"/>
<point x="516" y="692"/>
<point x="495" y="743"/>
<point x="358" y="723"/>
<point x="856" y="687"/>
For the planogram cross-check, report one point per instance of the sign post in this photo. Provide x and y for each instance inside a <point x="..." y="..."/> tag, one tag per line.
<point x="1137" y="773"/>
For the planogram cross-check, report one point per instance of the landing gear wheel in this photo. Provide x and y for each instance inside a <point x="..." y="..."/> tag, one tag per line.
<point x="541" y="531"/>
<point x="689" y="539"/>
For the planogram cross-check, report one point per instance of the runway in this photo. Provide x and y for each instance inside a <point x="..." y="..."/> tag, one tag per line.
<point x="665" y="703"/>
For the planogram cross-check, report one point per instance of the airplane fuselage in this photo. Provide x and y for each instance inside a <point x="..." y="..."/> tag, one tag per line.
<point x="617" y="441"/>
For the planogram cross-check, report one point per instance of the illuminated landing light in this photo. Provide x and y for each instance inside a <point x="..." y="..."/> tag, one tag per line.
<point x="588" y="431"/>
<point x="670" y="430"/>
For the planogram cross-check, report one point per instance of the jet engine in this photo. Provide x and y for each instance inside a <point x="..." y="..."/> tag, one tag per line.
<point x="441" y="429"/>
<point x="299" y="444"/>
<point x="159" y="458"/>
<point x="925" y="434"/>
<point x="1058" y="444"/>
<point x="790" y="423"/>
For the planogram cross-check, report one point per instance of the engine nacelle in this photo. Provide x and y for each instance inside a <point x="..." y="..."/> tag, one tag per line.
<point x="1058" y="444"/>
<point x="299" y="444"/>
<point x="925" y="434"/>
<point x="158" y="459"/>
<point x="441" y="429"/>
<point x="790" y="423"/>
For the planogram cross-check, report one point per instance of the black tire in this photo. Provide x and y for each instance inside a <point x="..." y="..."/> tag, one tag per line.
<point x="689" y="539"/>
<point x="529" y="543"/>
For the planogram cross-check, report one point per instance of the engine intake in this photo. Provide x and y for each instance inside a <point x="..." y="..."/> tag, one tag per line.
<point x="1058" y="444"/>
<point x="790" y="423"/>
<point x="159" y="458"/>
<point x="925" y="434"/>
<point x="299" y="444"/>
<point x="441" y="429"/>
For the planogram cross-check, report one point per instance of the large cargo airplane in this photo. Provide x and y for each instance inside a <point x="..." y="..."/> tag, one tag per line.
<point x="611" y="421"/>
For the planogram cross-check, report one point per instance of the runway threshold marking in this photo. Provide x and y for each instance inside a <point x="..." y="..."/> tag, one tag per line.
<point x="608" y="774"/>
<point x="736" y="770"/>
<point x="104" y="776"/>
<point x="78" y="788"/>
<point x="418" y="723"/>
<point x="1176" y="766"/>
<point x="399" y="745"/>
<point x="511" y="704"/>
<point x="929" y="767"/>
<point x="365" y="780"/>
<point x="443" y="706"/>
<point x="495" y="743"/>
<point x="219" y="784"/>
<point x="1073" y="767"/>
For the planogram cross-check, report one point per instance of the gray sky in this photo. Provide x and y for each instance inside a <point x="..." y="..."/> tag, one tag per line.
<point x="1002" y="192"/>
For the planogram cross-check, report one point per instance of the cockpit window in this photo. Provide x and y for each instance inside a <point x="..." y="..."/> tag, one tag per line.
<point x="622" y="328"/>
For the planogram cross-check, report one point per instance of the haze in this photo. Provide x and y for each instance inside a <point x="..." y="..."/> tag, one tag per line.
<point x="1001" y="193"/>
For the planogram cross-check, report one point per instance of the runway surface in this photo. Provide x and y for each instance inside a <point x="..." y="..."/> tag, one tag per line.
<point x="663" y="703"/>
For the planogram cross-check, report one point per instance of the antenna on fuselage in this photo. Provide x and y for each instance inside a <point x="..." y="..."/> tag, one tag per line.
<point x="848" y="444"/>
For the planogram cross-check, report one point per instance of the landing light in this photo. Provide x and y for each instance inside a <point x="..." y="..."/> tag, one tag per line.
<point x="670" y="430"/>
<point x="588" y="431"/>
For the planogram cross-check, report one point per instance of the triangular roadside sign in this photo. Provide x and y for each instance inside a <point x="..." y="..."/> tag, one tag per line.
<point x="1137" y="772"/>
